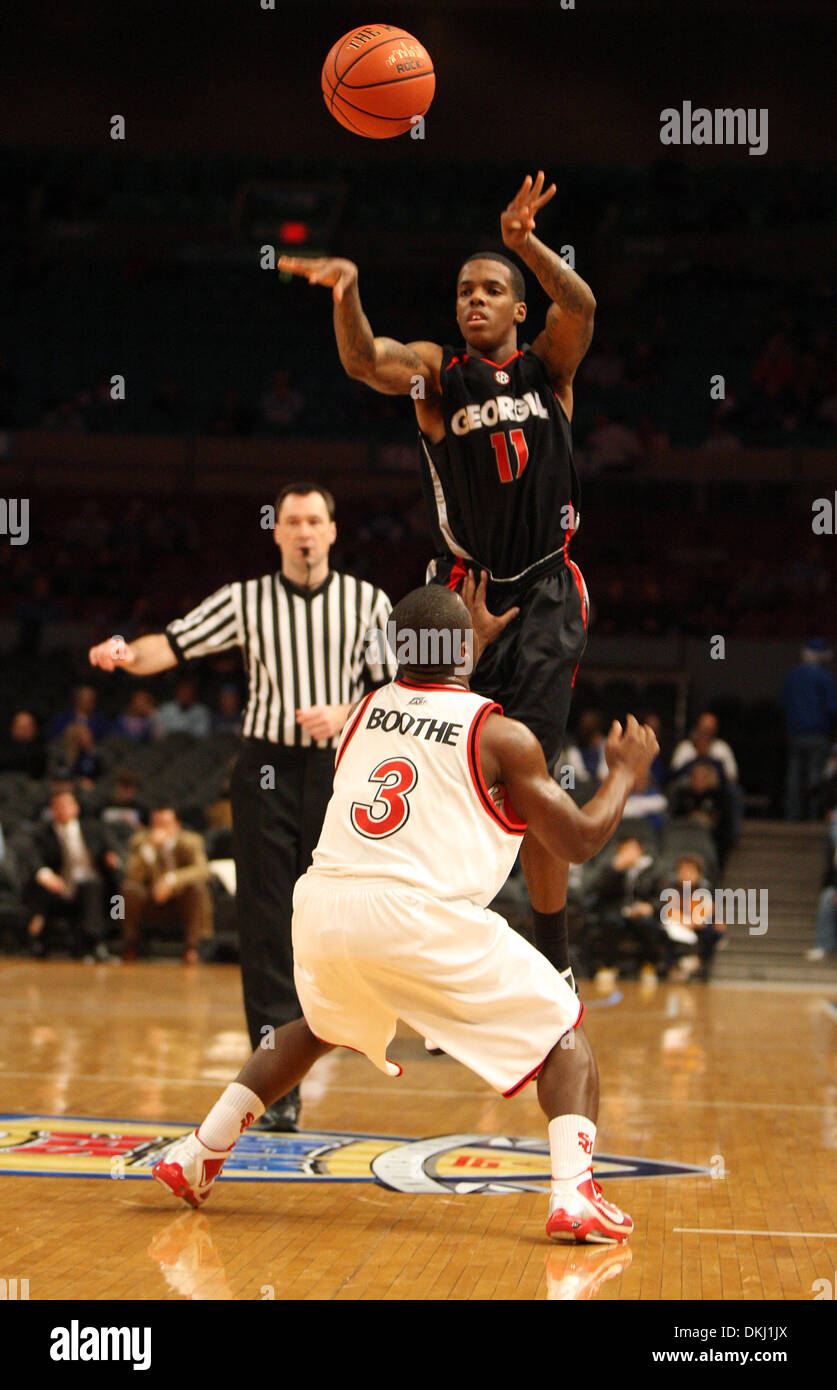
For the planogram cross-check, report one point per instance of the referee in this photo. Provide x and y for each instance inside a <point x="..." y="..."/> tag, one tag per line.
<point x="302" y="634"/>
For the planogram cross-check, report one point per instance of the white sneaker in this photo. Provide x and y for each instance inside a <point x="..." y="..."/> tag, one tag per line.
<point x="190" y="1168"/>
<point x="815" y="953"/>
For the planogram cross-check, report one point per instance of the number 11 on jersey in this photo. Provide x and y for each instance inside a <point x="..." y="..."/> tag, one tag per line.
<point x="500" y="446"/>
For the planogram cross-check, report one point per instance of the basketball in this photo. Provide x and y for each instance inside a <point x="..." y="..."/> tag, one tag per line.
<point x="377" y="79"/>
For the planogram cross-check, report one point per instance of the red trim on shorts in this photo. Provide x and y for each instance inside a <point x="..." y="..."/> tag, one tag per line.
<point x="536" y="1070"/>
<point x="579" y="584"/>
<point x="512" y="827"/>
<point x="344" y="742"/>
<point x="457" y="574"/>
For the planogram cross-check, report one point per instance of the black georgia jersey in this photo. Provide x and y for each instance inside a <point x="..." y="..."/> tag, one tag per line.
<point x="501" y="487"/>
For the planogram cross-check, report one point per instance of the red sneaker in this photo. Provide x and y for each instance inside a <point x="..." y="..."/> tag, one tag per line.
<point x="190" y="1168"/>
<point x="581" y="1214"/>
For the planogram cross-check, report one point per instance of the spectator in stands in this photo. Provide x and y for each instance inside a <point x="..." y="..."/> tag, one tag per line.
<point x="586" y="756"/>
<point x="10" y="879"/>
<point x="701" y="795"/>
<point x="74" y="862"/>
<point x="227" y="719"/>
<point x="705" y="743"/>
<point x="74" y="756"/>
<point x="690" y="932"/>
<point x="140" y="721"/>
<point x="620" y="902"/>
<point x="184" y="714"/>
<point x="166" y="880"/>
<point x="809" y="700"/>
<point x="281" y="404"/>
<point x="826" y="921"/>
<point x="82" y="712"/>
<point x="23" y="751"/>
<point x="646" y="803"/>
<point x="123" y="813"/>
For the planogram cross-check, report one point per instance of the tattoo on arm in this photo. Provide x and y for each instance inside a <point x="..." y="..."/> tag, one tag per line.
<point x="564" y="287"/>
<point x="355" y="341"/>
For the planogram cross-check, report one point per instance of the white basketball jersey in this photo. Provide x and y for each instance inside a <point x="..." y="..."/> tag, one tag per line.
<point x="410" y="803"/>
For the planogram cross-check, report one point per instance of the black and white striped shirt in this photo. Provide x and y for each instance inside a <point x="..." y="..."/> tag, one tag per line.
<point x="300" y="647"/>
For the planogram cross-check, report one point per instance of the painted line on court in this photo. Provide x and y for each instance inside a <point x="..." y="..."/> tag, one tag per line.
<point x="785" y="1235"/>
<point x="426" y="1091"/>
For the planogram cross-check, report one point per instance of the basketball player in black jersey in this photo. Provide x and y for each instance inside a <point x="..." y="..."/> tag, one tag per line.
<point x="498" y="478"/>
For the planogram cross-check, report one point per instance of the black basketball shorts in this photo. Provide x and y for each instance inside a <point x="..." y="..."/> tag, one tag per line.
<point x="530" y="670"/>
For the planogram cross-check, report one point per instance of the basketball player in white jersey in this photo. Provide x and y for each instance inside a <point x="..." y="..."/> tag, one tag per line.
<point x="433" y="790"/>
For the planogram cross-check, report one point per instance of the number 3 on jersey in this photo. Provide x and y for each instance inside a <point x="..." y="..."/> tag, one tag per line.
<point x="394" y="778"/>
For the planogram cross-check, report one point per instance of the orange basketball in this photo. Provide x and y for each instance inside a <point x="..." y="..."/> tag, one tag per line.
<point x="377" y="79"/>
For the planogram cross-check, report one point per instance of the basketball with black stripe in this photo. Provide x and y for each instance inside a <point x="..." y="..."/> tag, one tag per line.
<point x="377" y="80"/>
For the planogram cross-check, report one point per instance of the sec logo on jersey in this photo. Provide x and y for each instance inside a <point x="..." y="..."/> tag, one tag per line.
<point x="502" y="378"/>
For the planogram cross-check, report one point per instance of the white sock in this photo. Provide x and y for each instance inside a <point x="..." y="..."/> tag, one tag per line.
<point x="230" y="1116"/>
<point x="572" y="1139"/>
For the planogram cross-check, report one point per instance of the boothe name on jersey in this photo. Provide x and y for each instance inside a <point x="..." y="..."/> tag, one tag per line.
<point x="410" y="804"/>
<point x="501" y="487"/>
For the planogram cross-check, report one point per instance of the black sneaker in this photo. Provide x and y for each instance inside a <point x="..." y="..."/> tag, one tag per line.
<point x="282" y="1116"/>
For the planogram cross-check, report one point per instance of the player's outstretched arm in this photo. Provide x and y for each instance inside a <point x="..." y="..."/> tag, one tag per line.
<point x="393" y="368"/>
<point x="569" y="320"/>
<point x="510" y="754"/>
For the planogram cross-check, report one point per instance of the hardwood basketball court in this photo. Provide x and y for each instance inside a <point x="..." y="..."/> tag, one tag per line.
<point x="738" y="1082"/>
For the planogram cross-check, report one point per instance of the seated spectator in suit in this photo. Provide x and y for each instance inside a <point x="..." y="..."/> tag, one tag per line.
<point x="140" y="720"/>
<point x="228" y="718"/>
<point x="826" y="940"/>
<point x="620" y="905"/>
<point x="690" y="930"/>
<point x="75" y="861"/>
<point x="184" y="714"/>
<point x="701" y="795"/>
<point x="123" y="813"/>
<point x="23" y="751"/>
<point x="166" y="880"/>
<point x="82" y="712"/>
<point x="586" y="755"/>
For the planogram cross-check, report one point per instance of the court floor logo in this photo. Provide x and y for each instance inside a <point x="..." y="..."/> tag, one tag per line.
<point x="49" y="1146"/>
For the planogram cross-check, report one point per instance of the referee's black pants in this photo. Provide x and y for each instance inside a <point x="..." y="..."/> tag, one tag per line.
<point x="274" y="834"/>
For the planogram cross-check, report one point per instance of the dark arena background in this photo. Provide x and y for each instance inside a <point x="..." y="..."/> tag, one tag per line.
<point x="161" y="381"/>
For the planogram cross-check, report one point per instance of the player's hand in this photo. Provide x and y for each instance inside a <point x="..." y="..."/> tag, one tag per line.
<point x="518" y="220"/>
<point x="338" y="274"/>
<point x="487" y="626"/>
<point x="111" y="655"/>
<point x="634" y="749"/>
<point x="322" y="721"/>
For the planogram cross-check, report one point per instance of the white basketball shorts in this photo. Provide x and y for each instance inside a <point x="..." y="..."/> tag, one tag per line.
<point x="367" y="953"/>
